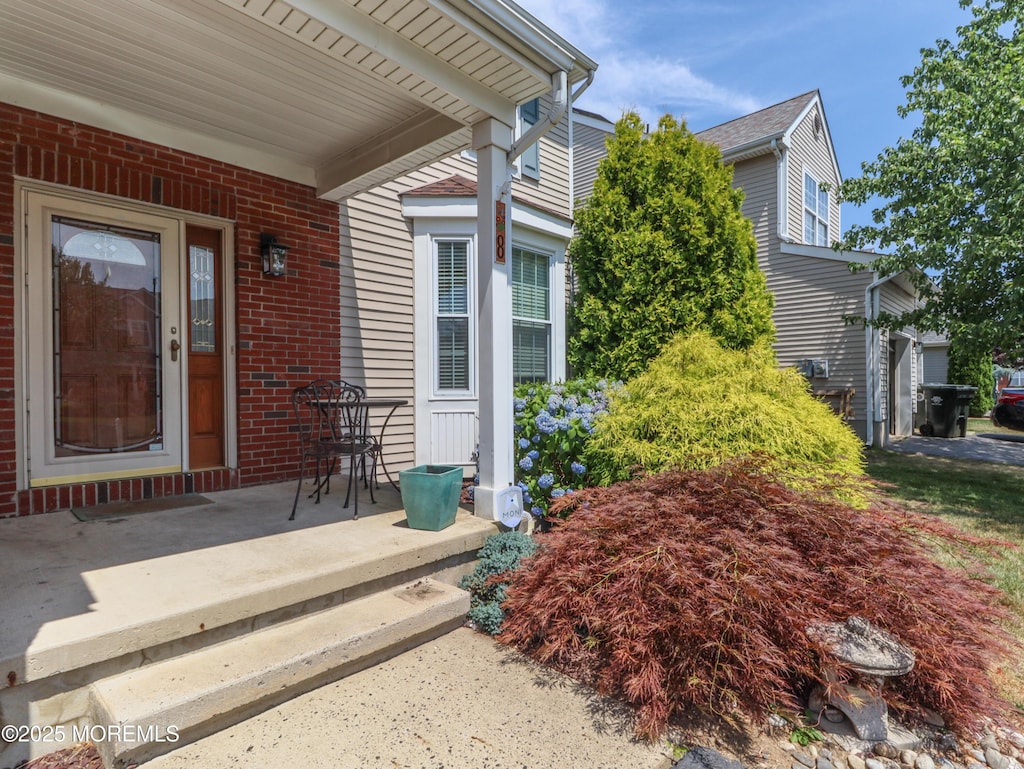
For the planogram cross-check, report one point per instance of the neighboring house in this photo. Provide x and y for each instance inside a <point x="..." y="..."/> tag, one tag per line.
<point x="784" y="161"/>
<point x="934" y="357"/>
<point x="146" y="352"/>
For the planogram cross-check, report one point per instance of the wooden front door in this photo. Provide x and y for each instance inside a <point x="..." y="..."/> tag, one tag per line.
<point x="205" y="347"/>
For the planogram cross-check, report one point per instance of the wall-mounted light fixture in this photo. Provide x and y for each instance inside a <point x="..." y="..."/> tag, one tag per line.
<point x="275" y="255"/>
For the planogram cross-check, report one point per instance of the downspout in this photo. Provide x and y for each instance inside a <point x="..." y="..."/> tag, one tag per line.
<point x="871" y="344"/>
<point x="781" y="190"/>
<point x="559" y="91"/>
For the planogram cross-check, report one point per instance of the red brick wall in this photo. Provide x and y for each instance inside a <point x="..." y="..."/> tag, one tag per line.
<point x="288" y="328"/>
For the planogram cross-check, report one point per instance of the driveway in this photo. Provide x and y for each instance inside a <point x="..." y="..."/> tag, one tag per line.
<point x="985" y="447"/>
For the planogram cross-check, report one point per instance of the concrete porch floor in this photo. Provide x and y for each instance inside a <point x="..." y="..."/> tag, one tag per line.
<point x="73" y="591"/>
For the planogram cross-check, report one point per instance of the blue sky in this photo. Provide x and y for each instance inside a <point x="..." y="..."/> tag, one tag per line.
<point x="715" y="60"/>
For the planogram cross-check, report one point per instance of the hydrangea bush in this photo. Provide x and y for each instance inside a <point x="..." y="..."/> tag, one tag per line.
<point x="553" y="422"/>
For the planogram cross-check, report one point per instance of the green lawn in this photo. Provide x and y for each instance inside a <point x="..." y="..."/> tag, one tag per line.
<point x="982" y="425"/>
<point x="979" y="497"/>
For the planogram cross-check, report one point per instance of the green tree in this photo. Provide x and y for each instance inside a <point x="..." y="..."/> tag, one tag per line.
<point x="972" y="366"/>
<point x="662" y="248"/>
<point x="954" y="190"/>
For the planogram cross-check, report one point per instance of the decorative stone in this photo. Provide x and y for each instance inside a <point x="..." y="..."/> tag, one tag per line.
<point x="706" y="758"/>
<point x="803" y="758"/>
<point x="924" y="761"/>
<point x="996" y="760"/>
<point x="908" y="757"/>
<point x="855" y="762"/>
<point x="988" y="741"/>
<point x="885" y="750"/>
<point x="823" y="763"/>
<point x="873" y="763"/>
<point x="865" y="648"/>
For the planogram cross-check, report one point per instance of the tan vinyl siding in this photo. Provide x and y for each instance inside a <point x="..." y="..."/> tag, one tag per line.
<point x="551" y="191"/>
<point x="812" y="152"/>
<point x="377" y="319"/>
<point x="757" y="179"/>
<point x="812" y="296"/>
<point x="587" y="152"/>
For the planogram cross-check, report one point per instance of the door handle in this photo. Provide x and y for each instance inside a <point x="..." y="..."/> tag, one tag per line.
<point x="175" y="346"/>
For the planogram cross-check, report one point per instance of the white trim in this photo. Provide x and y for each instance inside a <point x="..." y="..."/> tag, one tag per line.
<point x="462" y="207"/>
<point x="825" y="252"/>
<point x="599" y="124"/>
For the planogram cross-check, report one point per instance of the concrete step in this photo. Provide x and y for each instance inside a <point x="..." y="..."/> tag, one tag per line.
<point x="165" y="705"/>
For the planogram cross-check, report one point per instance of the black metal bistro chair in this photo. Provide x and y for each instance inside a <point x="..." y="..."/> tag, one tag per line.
<point x="331" y="427"/>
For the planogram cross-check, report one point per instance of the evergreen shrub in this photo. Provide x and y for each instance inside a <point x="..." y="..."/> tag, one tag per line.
<point x="487" y="584"/>
<point x="700" y="404"/>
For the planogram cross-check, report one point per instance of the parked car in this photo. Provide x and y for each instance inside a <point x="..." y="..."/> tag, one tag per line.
<point x="1009" y="409"/>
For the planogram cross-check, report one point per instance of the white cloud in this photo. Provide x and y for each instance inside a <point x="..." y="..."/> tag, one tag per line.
<point x="651" y="85"/>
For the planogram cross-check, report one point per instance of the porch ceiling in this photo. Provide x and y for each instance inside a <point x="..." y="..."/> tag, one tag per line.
<point x="337" y="94"/>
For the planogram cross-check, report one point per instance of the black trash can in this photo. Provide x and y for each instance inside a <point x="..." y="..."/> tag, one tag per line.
<point x="942" y="409"/>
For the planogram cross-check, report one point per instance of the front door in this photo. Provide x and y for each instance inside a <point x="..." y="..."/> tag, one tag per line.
<point x="205" y="348"/>
<point x="103" y="331"/>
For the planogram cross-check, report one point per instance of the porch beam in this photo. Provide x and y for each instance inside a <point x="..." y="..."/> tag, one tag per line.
<point x="491" y="140"/>
<point x="403" y="139"/>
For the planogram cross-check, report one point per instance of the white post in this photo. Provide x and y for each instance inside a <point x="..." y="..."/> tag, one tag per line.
<point x="491" y="140"/>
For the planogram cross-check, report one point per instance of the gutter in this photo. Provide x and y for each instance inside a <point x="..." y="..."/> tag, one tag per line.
<point x="562" y="100"/>
<point x="872" y="343"/>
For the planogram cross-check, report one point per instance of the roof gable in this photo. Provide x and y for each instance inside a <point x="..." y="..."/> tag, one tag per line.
<point x="761" y="126"/>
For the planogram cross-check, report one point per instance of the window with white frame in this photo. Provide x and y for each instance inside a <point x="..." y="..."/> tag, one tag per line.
<point x="531" y="316"/>
<point x="452" y="316"/>
<point x="815" y="212"/>
<point x="529" y="161"/>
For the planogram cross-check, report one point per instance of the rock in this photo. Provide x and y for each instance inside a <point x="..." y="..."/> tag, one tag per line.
<point x="855" y="762"/>
<point x="823" y="763"/>
<point x="803" y="758"/>
<point x="776" y="721"/>
<point x="988" y="742"/>
<point x="705" y="758"/>
<point x="932" y="718"/>
<point x="1015" y="738"/>
<point x="947" y="742"/>
<point x="885" y="750"/>
<point x="924" y="761"/>
<point x="977" y="755"/>
<point x="908" y="757"/>
<point x="874" y="763"/>
<point x="996" y="760"/>
<point x="864" y="647"/>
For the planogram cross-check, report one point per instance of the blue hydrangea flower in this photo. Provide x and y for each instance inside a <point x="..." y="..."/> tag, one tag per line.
<point x="527" y="499"/>
<point x="535" y="439"/>
<point x="533" y="454"/>
<point x="523" y="485"/>
<point x="526" y="463"/>
<point x="545" y="423"/>
<point x="562" y="423"/>
<point x="557" y="493"/>
<point x="554" y="402"/>
<point x="536" y="510"/>
<point x="578" y="468"/>
<point x="546" y="481"/>
<point x="519" y="404"/>
<point x="524" y="443"/>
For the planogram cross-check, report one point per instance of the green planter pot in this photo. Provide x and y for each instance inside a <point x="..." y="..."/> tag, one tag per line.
<point x="430" y="495"/>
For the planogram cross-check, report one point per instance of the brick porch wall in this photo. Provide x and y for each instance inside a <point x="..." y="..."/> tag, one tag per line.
<point x="288" y="328"/>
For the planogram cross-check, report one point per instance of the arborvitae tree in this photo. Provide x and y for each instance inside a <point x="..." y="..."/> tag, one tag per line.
<point x="970" y="365"/>
<point x="662" y="247"/>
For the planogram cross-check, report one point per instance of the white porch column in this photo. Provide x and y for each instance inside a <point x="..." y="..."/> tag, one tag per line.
<point x="491" y="140"/>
